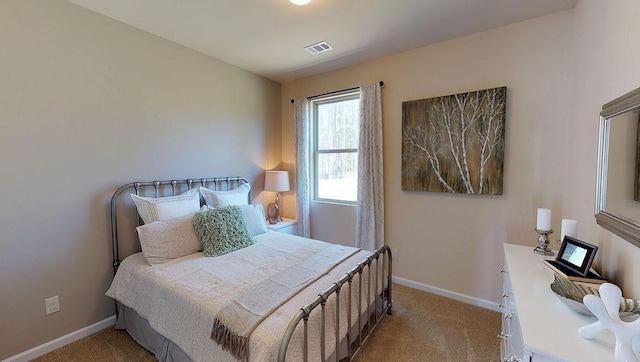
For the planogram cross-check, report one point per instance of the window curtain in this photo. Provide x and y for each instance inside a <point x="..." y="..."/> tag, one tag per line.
<point x="301" y="168"/>
<point x="370" y="205"/>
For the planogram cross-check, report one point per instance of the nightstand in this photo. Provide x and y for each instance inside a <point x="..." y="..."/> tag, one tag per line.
<point x="285" y="226"/>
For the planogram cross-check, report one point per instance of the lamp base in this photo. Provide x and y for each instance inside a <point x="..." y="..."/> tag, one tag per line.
<point x="273" y="214"/>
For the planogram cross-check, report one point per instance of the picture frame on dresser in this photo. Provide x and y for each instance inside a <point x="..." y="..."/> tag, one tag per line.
<point x="574" y="258"/>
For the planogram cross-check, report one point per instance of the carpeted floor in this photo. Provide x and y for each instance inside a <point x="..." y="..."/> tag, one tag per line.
<point x="428" y="327"/>
<point x="108" y="345"/>
<point x="423" y="327"/>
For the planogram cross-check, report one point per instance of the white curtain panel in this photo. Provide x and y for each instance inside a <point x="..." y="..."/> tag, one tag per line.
<point x="301" y="169"/>
<point x="370" y="206"/>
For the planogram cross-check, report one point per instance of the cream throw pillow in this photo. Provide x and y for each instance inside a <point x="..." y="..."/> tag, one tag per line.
<point x="153" y="209"/>
<point x="165" y="240"/>
<point x="254" y="218"/>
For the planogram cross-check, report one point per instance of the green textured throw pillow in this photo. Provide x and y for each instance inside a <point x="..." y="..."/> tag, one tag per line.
<point x="222" y="230"/>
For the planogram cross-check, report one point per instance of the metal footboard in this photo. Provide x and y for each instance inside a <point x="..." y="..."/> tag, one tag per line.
<point x="381" y="258"/>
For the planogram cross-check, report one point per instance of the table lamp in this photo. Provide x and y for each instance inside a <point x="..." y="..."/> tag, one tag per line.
<point x="276" y="181"/>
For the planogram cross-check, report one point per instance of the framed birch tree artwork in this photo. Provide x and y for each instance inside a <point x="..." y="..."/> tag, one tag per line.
<point x="454" y="143"/>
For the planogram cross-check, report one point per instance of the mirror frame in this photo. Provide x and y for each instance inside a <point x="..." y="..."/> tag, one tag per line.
<point x="617" y="224"/>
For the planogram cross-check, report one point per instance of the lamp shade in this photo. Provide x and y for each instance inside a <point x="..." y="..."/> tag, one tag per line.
<point x="277" y="181"/>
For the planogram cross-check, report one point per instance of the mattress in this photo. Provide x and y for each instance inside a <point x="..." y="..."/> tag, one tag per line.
<point x="179" y="299"/>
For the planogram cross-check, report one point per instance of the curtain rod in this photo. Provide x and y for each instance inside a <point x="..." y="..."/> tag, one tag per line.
<point x="338" y="91"/>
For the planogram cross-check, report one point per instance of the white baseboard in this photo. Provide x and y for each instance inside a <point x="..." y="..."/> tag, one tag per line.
<point x="62" y="341"/>
<point x="449" y="294"/>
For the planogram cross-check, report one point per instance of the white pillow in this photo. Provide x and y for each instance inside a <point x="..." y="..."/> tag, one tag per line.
<point x="165" y="240"/>
<point x="254" y="218"/>
<point x="239" y="196"/>
<point x="163" y="208"/>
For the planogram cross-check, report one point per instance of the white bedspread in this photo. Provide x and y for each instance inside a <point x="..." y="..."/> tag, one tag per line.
<point x="180" y="298"/>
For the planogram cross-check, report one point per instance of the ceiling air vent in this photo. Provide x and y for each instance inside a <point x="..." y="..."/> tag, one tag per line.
<point x="318" y="48"/>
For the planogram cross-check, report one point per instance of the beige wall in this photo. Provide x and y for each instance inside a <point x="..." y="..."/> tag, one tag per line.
<point x="556" y="87"/>
<point x="455" y="241"/>
<point x="87" y="104"/>
<point x="606" y="66"/>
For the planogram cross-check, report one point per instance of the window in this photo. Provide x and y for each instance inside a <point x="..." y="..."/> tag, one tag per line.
<point x="335" y="147"/>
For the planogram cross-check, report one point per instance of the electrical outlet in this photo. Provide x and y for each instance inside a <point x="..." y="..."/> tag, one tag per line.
<point x="395" y="254"/>
<point x="51" y="305"/>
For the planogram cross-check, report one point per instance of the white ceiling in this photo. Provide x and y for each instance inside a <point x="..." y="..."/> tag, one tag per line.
<point x="267" y="37"/>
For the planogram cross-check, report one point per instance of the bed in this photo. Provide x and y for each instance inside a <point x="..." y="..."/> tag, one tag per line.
<point x="279" y="297"/>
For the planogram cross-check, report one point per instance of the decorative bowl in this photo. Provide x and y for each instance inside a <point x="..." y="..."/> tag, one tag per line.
<point x="571" y="294"/>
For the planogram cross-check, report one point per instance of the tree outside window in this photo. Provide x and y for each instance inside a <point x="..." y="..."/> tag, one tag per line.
<point x="336" y="147"/>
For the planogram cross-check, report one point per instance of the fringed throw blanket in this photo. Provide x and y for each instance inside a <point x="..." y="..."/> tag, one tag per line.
<point x="235" y="322"/>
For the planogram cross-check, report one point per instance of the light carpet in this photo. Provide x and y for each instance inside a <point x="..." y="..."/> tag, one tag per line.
<point x="423" y="327"/>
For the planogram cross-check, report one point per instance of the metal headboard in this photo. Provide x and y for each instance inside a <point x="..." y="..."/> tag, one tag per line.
<point x="164" y="188"/>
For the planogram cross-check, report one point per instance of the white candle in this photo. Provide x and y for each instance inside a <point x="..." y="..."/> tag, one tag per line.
<point x="569" y="228"/>
<point x="544" y="219"/>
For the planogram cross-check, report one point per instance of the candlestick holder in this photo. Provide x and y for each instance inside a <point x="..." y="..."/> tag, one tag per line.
<point x="543" y="242"/>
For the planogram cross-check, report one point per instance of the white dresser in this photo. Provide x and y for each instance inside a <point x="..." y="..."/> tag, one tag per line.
<point x="536" y="325"/>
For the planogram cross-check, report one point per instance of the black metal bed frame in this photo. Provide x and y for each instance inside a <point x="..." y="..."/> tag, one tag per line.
<point x="374" y="312"/>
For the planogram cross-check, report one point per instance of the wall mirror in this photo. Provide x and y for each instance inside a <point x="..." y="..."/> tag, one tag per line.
<point x="617" y="206"/>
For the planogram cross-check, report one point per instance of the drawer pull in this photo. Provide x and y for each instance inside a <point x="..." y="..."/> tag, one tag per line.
<point x="508" y="316"/>
<point x="503" y="271"/>
<point x="506" y="294"/>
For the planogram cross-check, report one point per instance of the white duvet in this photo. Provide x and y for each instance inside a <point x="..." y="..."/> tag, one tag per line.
<point x="180" y="298"/>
